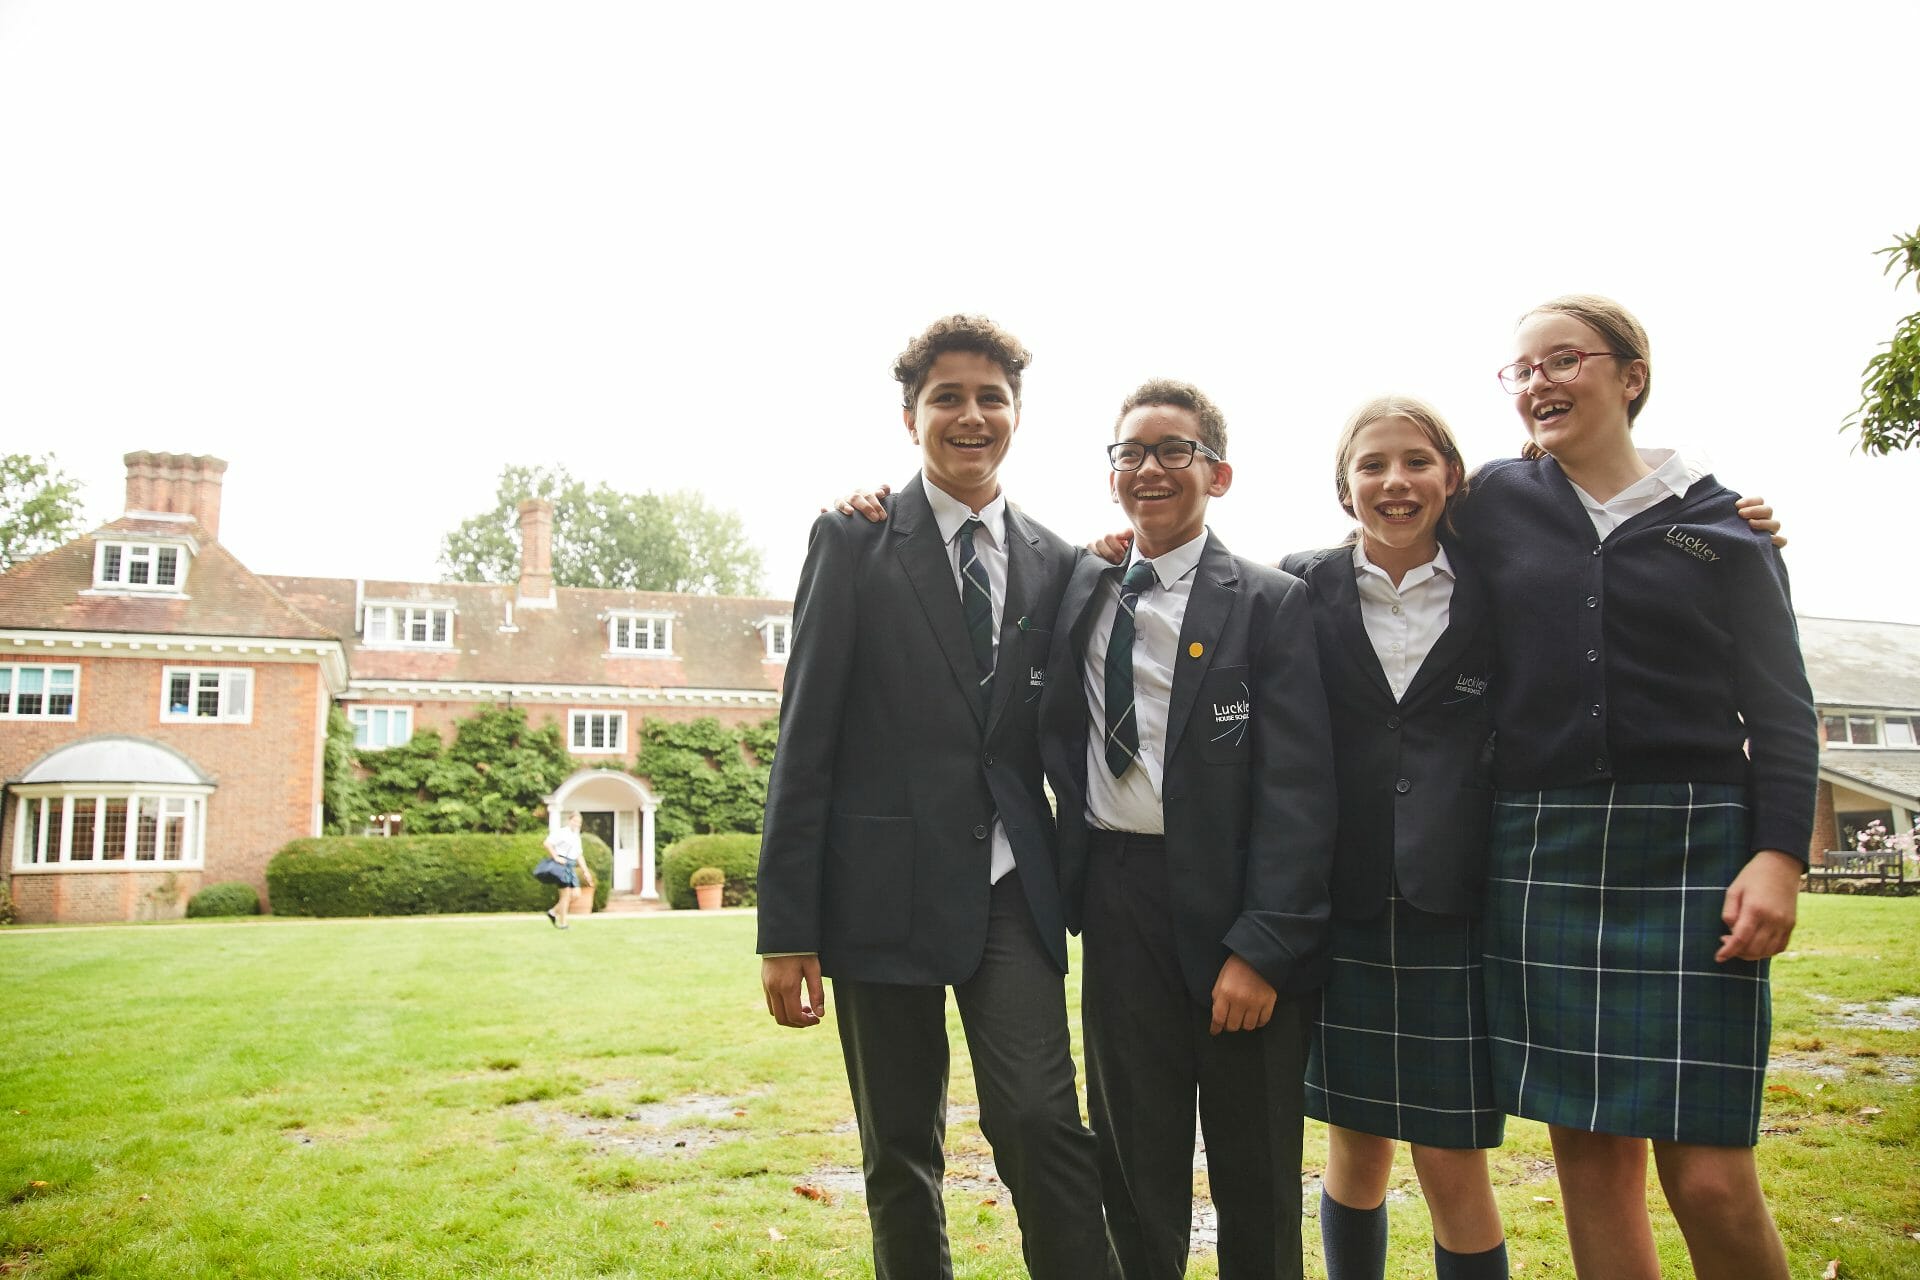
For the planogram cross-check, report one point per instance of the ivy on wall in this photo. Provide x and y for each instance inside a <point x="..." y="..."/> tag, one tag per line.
<point x="493" y="778"/>
<point x="708" y="777"/>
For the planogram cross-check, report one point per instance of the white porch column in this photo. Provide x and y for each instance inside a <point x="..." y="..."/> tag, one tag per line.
<point x="647" y="889"/>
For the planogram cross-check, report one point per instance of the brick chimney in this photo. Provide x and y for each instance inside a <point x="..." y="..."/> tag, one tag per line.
<point x="182" y="483"/>
<point x="536" y="553"/>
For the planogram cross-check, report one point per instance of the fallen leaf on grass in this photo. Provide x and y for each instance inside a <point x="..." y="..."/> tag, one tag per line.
<point x="145" y="1196"/>
<point x="1543" y="1199"/>
<point x="1832" y="1272"/>
<point x="773" y="1234"/>
<point x="659" y="1222"/>
<point x="1871" y="1111"/>
<point x="740" y="1113"/>
<point x="979" y="1248"/>
<point x="1836" y="1219"/>
<point x="812" y="1192"/>
<point x="989" y="1202"/>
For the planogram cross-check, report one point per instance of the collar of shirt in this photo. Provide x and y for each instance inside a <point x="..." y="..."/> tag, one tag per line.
<point x="950" y="513"/>
<point x="1673" y="474"/>
<point x="1173" y="565"/>
<point x="1409" y="580"/>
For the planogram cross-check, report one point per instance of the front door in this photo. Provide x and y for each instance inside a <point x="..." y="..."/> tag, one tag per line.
<point x="599" y="823"/>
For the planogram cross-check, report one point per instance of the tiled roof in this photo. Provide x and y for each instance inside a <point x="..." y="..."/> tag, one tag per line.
<point x="716" y="642"/>
<point x="1862" y="664"/>
<point x="1888" y="769"/>
<point x="53" y="592"/>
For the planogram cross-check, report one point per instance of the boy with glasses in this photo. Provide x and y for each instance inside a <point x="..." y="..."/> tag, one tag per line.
<point x="1185" y="733"/>
<point x="908" y="847"/>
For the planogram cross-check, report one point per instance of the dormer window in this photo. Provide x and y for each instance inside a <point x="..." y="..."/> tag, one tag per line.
<point x="779" y="633"/>
<point x="416" y="626"/>
<point x="650" y="634"/>
<point x="139" y="566"/>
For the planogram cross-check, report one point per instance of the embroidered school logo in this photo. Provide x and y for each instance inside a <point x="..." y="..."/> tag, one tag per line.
<point x="1230" y="718"/>
<point x="1692" y="544"/>
<point x="1472" y="686"/>
<point x="1036" y="677"/>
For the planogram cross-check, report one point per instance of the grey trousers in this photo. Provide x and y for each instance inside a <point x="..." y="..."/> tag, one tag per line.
<point x="1014" y="1012"/>
<point x="1148" y="1055"/>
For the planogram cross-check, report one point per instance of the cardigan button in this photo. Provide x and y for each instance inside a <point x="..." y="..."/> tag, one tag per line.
<point x="1596" y="709"/>
<point x="1403" y="786"/>
<point x="1596" y="548"/>
<point x="979" y="833"/>
<point x="989" y="760"/>
<point x="1593" y="655"/>
<point x="1393" y="722"/>
<point x="1592" y="601"/>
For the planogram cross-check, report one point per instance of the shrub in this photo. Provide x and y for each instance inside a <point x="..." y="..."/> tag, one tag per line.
<point x="9" y="914"/>
<point x="736" y="854"/>
<point x="228" y="898"/>
<point x="706" y="876"/>
<point x="420" y="875"/>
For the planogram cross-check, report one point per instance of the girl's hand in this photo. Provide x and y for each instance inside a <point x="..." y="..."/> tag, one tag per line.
<point x="864" y="502"/>
<point x="1761" y="905"/>
<point x="1759" y="515"/>
<point x="1112" y="547"/>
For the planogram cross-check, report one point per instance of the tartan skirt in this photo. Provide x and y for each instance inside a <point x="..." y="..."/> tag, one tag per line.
<point x="1608" y="1012"/>
<point x="1400" y="1047"/>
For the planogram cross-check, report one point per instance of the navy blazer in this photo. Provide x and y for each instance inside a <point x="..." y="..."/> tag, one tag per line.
<point x="889" y="771"/>
<point x="1247" y="798"/>
<point x="1415" y="794"/>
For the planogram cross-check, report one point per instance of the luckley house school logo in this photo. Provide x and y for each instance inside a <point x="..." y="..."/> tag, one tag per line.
<point x="1230" y="718"/>
<point x="1691" y="543"/>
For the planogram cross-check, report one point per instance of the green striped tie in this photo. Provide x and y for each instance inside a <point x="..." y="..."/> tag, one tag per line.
<point x="1123" y="727"/>
<point x="976" y="600"/>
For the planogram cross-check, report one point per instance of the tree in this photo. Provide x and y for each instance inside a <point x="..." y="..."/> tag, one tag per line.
<point x="602" y="538"/>
<point x="39" y="507"/>
<point x="1889" y="414"/>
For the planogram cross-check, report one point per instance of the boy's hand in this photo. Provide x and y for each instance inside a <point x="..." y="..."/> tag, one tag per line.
<point x="1760" y="908"/>
<point x="1758" y="514"/>
<point x="795" y="995"/>
<point x="864" y="502"/>
<point x="1112" y="547"/>
<point x="1242" y="999"/>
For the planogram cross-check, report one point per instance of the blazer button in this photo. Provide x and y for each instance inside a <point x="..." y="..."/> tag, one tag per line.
<point x="1393" y="722"/>
<point x="1596" y="708"/>
<point x="1403" y="786"/>
<point x="989" y="760"/>
<point x="1593" y="655"/>
<point x="979" y="833"/>
<point x="1596" y="548"/>
<point x="1599" y="764"/>
<point x="1592" y="601"/>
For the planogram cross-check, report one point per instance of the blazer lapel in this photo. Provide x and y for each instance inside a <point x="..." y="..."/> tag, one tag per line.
<point x="1026" y="564"/>
<point x="1090" y="574"/>
<point x="1463" y="619"/>
<point x="923" y="558"/>
<point x="1333" y="578"/>
<point x="1215" y="588"/>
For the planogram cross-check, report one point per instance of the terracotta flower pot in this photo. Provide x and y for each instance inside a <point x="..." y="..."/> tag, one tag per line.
<point x="708" y="895"/>
<point x="582" y="904"/>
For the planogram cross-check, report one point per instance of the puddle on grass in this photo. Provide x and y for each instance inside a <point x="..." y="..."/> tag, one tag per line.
<point x="666" y="1128"/>
<point x="1902" y="1013"/>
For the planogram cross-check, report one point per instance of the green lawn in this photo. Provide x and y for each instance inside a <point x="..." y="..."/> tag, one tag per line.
<point x="480" y="1097"/>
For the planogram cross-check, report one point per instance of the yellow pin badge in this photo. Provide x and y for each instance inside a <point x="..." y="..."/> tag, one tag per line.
<point x="1195" y="649"/>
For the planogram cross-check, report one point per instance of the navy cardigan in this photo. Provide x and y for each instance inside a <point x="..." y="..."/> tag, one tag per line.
<point x="1666" y="652"/>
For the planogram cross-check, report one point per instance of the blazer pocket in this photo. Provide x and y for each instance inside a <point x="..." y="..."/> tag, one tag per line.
<point x="1224" y="717"/>
<point x="1034" y="644"/>
<point x="868" y="885"/>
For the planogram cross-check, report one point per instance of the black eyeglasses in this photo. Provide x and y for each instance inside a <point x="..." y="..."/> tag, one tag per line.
<point x="1174" y="455"/>
<point x="1561" y="366"/>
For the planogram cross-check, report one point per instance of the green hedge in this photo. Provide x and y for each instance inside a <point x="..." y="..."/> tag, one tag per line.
<point x="228" y="898"/>
<point x="420" y="875"/>
<point x="735" y="852"/>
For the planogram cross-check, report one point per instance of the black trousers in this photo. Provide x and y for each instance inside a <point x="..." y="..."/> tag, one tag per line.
<point x="1014" y="1011"/>
<point x="1149" y="1054"/>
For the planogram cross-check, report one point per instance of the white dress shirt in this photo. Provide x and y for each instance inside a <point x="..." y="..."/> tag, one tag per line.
<point x="990" y="547"/>
<point x="1403" y="622"/>
<point x="1673" y="474"/>
<point x="1131" y="802"/>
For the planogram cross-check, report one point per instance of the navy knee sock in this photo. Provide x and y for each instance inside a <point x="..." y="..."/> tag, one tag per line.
<point x="1490" y="1265"/>
<point x="1353" y="1240"/>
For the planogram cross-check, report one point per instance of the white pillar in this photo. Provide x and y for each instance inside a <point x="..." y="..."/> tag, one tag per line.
<point x="647" y="889"/>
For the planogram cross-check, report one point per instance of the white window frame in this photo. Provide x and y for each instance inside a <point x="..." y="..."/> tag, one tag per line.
<point x="150" y="554"/>
<point x="360" y="716"/>
<point x="38" y="847"/>
<point x="1879" y="729"/>
<point x="582" y="718"/>
<point x="627" y="630"/>
<point x="779" y="638"/>
<point x="10" y="694"/>
<point x="227" y="680"/>
<point x="395" y="623"/>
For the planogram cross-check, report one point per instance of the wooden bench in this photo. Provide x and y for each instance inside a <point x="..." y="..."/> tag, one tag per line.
<point x="1877" y="871"/>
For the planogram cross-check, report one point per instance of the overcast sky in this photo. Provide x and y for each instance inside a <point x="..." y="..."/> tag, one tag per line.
<point x="370" y="253"/>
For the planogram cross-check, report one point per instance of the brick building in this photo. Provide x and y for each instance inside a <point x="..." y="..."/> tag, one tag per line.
<point x="163" y="709"/>
<point x="1866" y="683"/>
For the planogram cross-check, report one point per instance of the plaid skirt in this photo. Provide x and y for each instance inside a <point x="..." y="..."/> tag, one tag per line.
<point x="1607" y="1009"/>
<point x="1400" y="1047"/>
